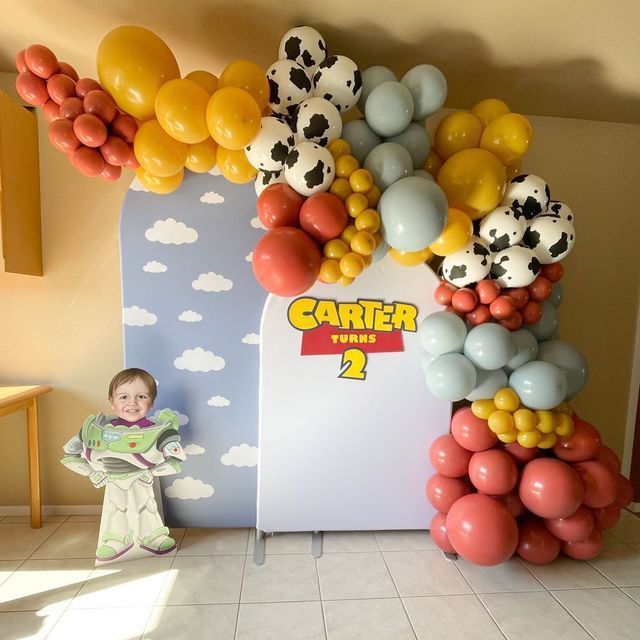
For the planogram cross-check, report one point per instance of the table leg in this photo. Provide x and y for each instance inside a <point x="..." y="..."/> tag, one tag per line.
<point x="34" y="464"/>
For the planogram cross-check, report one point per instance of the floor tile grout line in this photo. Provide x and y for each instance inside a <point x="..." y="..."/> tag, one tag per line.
<point x="324" y="619"/>
<point x="404" y="608"/>
<point x="572" y="616"/>
<point x="244" y="571"/>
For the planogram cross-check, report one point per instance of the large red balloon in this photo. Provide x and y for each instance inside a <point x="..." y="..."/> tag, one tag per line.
<point x="536" y="543"/>
<point x="573" y="528"/>
<point x="599" y="482"/>
<point x="625" y="492"/>
<point x="550" y="488"/>
<point x="584" y="444"/>
<point x="323" y="216"/>
<point x="438" y="530"/>
<point x="470" y="432"/>
<point x="442" y="492"/>
<point x="584" y="549"/>
<point x="448" y="457"/>
<point x="286" y="261"/>
<point x="279" y="206"/>
<point x="493" y="472"/>
<point x="482" y="530"/>
<point x="520" y="454"/>
<point x="607" y="517"/>
<point x="609" y="458"/>
<point x="513" y="503"/>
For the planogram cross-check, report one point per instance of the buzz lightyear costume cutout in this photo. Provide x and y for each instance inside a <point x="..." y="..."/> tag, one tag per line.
<point x="126" y="459"/>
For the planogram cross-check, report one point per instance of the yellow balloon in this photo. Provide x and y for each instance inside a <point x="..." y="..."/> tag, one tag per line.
<point x="340" y="187"/>
<point x="339" y="147"/>
<point x="433" y="164"/>
<point x="233" y="118"/>
<point x="363" y="243"/>
<point x="483" y="408"/>
<point x="206" y="80"/>
<point x="455" y="235"/>
<point x="181" y="108"/>
<point x="335" y="248"/>
<point x="546" y="422"/>
<point x="529" y="439"/>
<point x="329" y="271"/>
<point x="507" y="136"/>
<point x="133" y="63"/>
<point x="513" y="168"/>
<point x="525" y="420"/>
<point x="501" y="422"/>
<point x="564" y="425"/>
<point x="349" y="231"/>
<point x="373" y="195"/>
<point x="356" y="203"/>
<point x="352" y="264"/>
<point x="201" y="157"/>
<point x="488" y="109"/>
<point x="456" y="132"/>
<point x="368" y="220"/>
<point x="247" y="75"/>
<point x="360" y="180"/>
<point x="411" y="258"/>
<point x="506" y="399"/>
<point x="234" y="166"/>
<point x="473" y="181"/>
<point x="548" y="441"/>
<point x="157" y="152"/>
<point x="157" y="184"/>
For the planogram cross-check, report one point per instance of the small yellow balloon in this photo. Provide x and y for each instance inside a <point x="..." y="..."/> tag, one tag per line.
<point x="201" y="157"/>
<point x="455" y="235"/>
<point x="339" y="147"/>
<point x="546" y="422"/>
<point x="157" y="184"/>
<point x="457" y="131"/>
<point x="335" y="248"/>
<point x="361" y="181"/>
<point x="363" y="243"/>
<point x="373" y="195"/>
<point x="525" y="420"/>
<point x="206" y="80"/>
<point x="433" y="164"/>
<point x="345" y="166"/>
<point x="564" y="425"/>
<point x="356" y="203"/>
<point x="508" y="437"/>
<point x="340" y="187"/>
<point x="329" y="271"/>
<point x="507" y="136"/>
<point x="564" y="407"/>
<point x="488" y="109"/>
<point x="368" y="220"/>
<point x="157" y="152"/>
<point x="248" y="76"/>
<point x="529" y="439"/>
<point x="233" y="118"/>
<point x="234" y="166"/>
<point x="506" y="399"/>
<point x="411" y="258"/>
<point x="344" y="281"/>
<point x="351" y="264"/>
<point x="483" y="408"/>
<point x="348" y="233"/>
<point x="181" y="108"/>
<point x="501" y="422"/>
<point x="513" y="169"/>
<point x="548" y="441"/>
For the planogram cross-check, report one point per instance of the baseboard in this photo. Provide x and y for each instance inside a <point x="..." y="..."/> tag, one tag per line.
<point x="635" y="507"/>
<point x="54" y="510"/>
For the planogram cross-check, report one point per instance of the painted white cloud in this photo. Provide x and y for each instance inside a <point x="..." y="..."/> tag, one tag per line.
<point x="256" y="224"/>
<point x="218" y="401"/>
<point x="182" y="419"/>
<point x="189" y="488"/>
<point x="249" y="258"/>
<point x="212" y="282"/>
<point x="241" y="456"/>
<point x="153" y="266"/>
<point x="194" y="450"/>
<point x="170" y="231"/>
<point x="136" y="185"/>
<point x="138" y="317"/>
<point x="190" y="316"/>
<point x="199" y="360"/>
<point x="251" y="338"/>
<point x="211" y="197"/>
<point x="215" y="171"/>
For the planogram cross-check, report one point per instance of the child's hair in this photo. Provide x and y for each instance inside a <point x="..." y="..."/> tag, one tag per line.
<point x="131" y="374"/>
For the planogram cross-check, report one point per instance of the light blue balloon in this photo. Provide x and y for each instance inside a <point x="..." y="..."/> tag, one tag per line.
<point x="442" y="332"/>
<point x="539" y="385"/>
<point x="421" y="173"/>
<point x="371" y="78"/>
<point x="489" y="346"/>
<point x="380" y="252"/>
<point x="548" y="324"/>
<point x="425" y="360"/>
<point x="389" y="109"/>
<point x="526" y="349"/>
<point x="557" y="293"/>
<point x="569" y="359"/>
<point x="415" y="140"/>
<point x="388" y="162"/>
<point x="451" y="377"/>
<point x="413" y="212"/>
<point x="428" y="87"/>
<point x="361" y="138"/>
<point x="487" y="384"/>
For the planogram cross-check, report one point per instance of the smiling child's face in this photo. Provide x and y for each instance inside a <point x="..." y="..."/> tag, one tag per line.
<point x="131" y="400"/>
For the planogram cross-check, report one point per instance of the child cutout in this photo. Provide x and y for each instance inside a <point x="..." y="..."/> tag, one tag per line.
<point x="126" y="452"/>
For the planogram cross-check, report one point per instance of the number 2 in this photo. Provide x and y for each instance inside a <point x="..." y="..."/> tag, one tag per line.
<point x="353" y="365"/>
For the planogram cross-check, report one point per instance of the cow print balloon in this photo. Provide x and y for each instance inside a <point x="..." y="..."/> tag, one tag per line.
<point x="271" y="146"/>
<point x="467" y="265"/>
<point x="266" y="178"/>
<point x="289" y="85"/>
<point x="515" y="267"/>
<point x="550" y="237"/>
<point x="560" y="209"/>
<point x="303" y="45"/>
<point x="502" y="228"/>
<point x="309" y="168"/>
<point x="317" y="120"/>
<point x="527" y="195"/>
<point x="338" y="80"/>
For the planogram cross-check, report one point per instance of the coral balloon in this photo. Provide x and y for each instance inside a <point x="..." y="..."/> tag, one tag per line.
<point x="625" y="492"/>
<point x="60" y="87"/>
<point x="31" y="88"/>
<point x="513" y="503"/>
<point x="448" y="457"/>
<point x="584" y="444"/>
<point x="124" y="127"/>
<point x="573" y="528"/>
<point x="68" y="70"/>
<point x="599" y="482"/>
<point x="41" y="61"/>
<point x="279" y="206"/>
<point x="51" y="111"/>
<point x="115" y="151"/>
<point x="470" y="432"/>
<point x="482" y="530"/>
<point x="85" y="85"/>
<point x="286" y="261"/>
<point x="323" y="216"/>
<point x="181" y="108"/>
<point x="584" y="549"/>
<point x="609" y="458"/>
<point x="98" y="103"/>
<point x="21" y="63"/>
<point x="248" y="76"/>
<point x="90" y="130"/>
<point x="62" y="136"/>
<point x="111" y="173"/>
<point x="607" y="517"/>
<point x="438" y="531"/>
<point x="442" y="491"/>
<point x="493" y="472"/>
<point x="233" y="118"/>
<point x="157" y="152"/>
<point x="87" y="161"/>
<point x="71" y="108"/>
<point x="159" y="184"/>
<point x="536" y="544"/>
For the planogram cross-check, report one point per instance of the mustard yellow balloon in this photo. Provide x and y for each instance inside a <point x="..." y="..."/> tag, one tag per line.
<point x="546" y="422"/>
<point x="529" y="439"/>
<point x="433" y="164"/>
<point x="247" y="75"/>
<point x="513" y="169"/>
<point x="368" y="220"/>
<point x="133" y="63"/>
<point x="488" y="109"/>
<point x="564" y="425"/>
<point x="507" y="136"/>
<point x="206" y="80"/>
<point x="457" y="131"/>
<point x="157" y="152"/>
<point x="335" y="248"/>
<point x="157" y="184"/>
<point x="363" y="243"/>
<point x="411" y="258"/>
<point x="501" y="422"/>
<point x="525" y="419"/>
<point x="233" y="118"/>
<point x="548" y="441"/>
<point x="329" y="271"/>
<point x="181" y="109"/>
<point x="483" y="408"/>
<point x="234" y="166"/>
<point x="473" y="181"/>
<point x="201" y="157"/>
<point x="455" y="234"/>
<point x="506" y="399"/>
<point x="352" y="264"/>
<point x="339" y="147"/>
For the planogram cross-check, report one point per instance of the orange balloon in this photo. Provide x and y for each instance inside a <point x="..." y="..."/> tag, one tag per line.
<point x="158" y="184"/>
<point x="233" y="117"/>
<point x="433" y="164"/>
<point x="234" y="166"/>
<point x="201" y="157"/>
<point x="206" y="80"/>
<point x="457" y="131"/>
<point x="247" y="75"/>
<point x="455" y="234"/>
<point x="156" y="151"/>
<point x="508" y="136"/>
<point x="488" y="109"/>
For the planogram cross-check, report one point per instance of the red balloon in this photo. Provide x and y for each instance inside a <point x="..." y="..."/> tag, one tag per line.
<point x="100" y="104"/>
<point x="502" y="307"/>
<point x="84" y="85"/>
<point x="286" y="261"/>
<point x="609" y="458"/>
<point x="438" y="530"/>
<point x="625" y="492"/>
<point x="132" y="163"/>
<point x="61" y="87"/>
<point x="41" y="60"/>
<point x="520" y="454"/>
<point x="488" y="291"/>
<point x="448" y="457"/>
<point x="600" y="483"/>
<point x="584" y="444"/>
<point x="71" y="108"/>
<point x="512" y="502"/>
<point x="21" y="63"/>
<point x="125" y="127"/>
<point x="585" y="549"/>
<point x="62" y="137"/>
<point x="540" y="289"/>
<point x="51" y="111"/>
<point x="323" y="216"/>
<point x="479" y="315"/>
<point x="279" y="206"/>
<point x="68" y="70"/>
<point x="444" y="293"/>
<point x="493" y="472"/>
<point x="531" y="312"/>
<point x="470" y="432"/>
<point x="442" y="492"/>
<point x="552" y="272"/>
<point x="513" y="322"/>
<point x="607" y="517"/>
<point x="87" y="161"/>
<point x="573" y="528"/>
<point x="115" y="151"/>
<point x="111" y="173"/>
<point x="550" y="488"/>
<point x="536" y="543"/>
<point x="519" y="295"/>
<point x="482" y="530"/>
<point x="464" y="300"/>
<point x="31" y="88"/>
<point x="91" y="131"/>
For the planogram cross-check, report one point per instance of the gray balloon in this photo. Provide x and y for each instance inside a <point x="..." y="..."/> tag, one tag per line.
<point x="451" y="377"/>
<point x="540" y="385"/>
<point x="548" y="324"/>
<point x="361" y="138"/>
<point x="442" y="332"/>
<point x="389" y="109"/>
<point x="425" y="360"/>
<point x="526" y="349"/>
<point x="421" y="173"/>
<point x="557" y="293"/>
<point x="388" y="162"/>
<point x="569" y="359"/>
<point x="415" y="140"/>
<point x="428" y="87"/>
<point x="371" y="78"/>
<point x="489" y="346"/>
<point x="488" y="383"/>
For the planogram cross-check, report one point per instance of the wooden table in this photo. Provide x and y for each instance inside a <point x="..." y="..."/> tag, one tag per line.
<point x="14" y="399"/>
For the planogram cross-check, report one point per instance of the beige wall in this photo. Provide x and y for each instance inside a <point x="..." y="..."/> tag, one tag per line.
<point x="65" y="328"/>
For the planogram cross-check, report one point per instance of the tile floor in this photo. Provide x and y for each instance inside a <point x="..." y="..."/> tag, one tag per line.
<point x="370" y="585"/>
